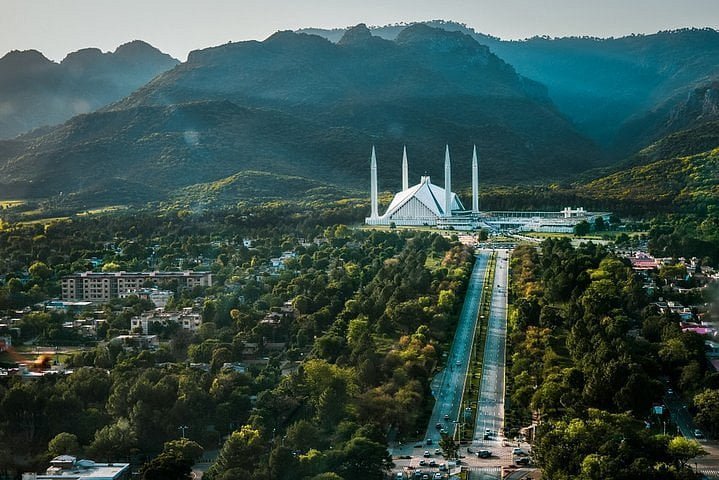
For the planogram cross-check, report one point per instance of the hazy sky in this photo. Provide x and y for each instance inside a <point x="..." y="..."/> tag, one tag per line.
<point x="56" y="27"/>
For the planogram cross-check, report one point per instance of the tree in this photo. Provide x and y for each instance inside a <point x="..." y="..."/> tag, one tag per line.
<point x="184" y="447"/>
<point x="599" y="224"/>
<point x="707" y="405"/>
<point x="240" y="453"/>
<point x="167" y="466"/>
<point x="63" y="443"/>
<point x="684" y="449"/>
<point x="363" y="458"/>
<point x="582" y="228"/>
<point x="114" y="441"/>
<point x="448" y="446"/>
<point x="40" y="271"/>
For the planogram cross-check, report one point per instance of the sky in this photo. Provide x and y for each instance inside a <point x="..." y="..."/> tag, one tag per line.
<point x="57" y="27"/>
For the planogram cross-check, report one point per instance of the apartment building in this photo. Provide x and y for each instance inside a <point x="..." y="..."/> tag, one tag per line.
<point x="102" y="286"/>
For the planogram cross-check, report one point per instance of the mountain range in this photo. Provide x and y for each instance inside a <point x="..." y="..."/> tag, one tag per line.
<point x="302" y="108"/>
<point x="606" y="86"/>
<point x="298" y="104"/>
<point x="37" y="92"/>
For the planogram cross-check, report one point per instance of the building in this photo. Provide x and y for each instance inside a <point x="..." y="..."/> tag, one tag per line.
<point x="426" y="204"/>
<point x="187" y="319"/>
<point x="423" y="204"/>
<point x="102" y="287"/>
<point x="66" y="467"/>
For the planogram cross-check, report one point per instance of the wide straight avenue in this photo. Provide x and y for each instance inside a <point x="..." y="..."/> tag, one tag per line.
<point x="449" y="384"/>
<point x="490" y="414"/>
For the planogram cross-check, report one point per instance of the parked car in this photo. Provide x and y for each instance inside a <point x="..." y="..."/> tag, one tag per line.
<point x="426" y="454"/>
<point x="432" y="463"/>
<point x="443" y="467"/>
<point x="429" y="441"/>
<point x="399" y="476"/>
<point x="518" y="451"/>
<point x="446" y="416"/>
<point x="423" y="463"/>
<point x="523" y="461"/>
<point x="698" y="433"/>
<point x="438" y="426"/>
<point x="484" y="453"/>
<point x="437" y="451"/>
<point x="437" y="476"/>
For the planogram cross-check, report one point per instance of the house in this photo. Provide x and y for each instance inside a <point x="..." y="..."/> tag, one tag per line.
<point x="187" y="319"/>
<point x="138" y="341"/>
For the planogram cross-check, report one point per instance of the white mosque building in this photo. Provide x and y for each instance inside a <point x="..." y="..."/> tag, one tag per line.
<point x="427" y="204"/>
<point x="424" y="203"/>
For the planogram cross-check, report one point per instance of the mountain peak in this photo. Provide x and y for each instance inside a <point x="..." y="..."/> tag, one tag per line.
<point x="24" y="59"/>
<point x="436" y="38"/>
<point x="357" y="34"/>
<point x="136" y="47"/>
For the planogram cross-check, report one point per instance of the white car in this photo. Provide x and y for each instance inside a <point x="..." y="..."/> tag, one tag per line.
<point x="518" y="452"/>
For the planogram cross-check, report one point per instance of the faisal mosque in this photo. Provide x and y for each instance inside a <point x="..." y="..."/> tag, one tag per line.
<point x="427" y="204"/>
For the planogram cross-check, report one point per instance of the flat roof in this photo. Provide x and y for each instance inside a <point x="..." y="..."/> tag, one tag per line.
<point x="98" y="471"/>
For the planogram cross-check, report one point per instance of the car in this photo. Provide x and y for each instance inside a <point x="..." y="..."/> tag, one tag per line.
<point x="425" y="477"/>
<point x="423" y="463"/>
<point x="429" y="441"/>
<point x="437" y="476"/>
<point x="458" y="363"/>
<point x="443" y="431"/>
<point x="670" y="391"/>
<point x="426" y="454"/>
<point x="469" y="450"/>
<point x="698" y="433"/>
<point x="432" y="463"/>
<point x="446" y="416"/>
<point x="438" y="426"/>
<point x="484" y="453"/>
<point x="518" y="451"/>
<point x="523" y="461"/>
<point x="443" y="467"/>
<point x="437" y="451"/>
<point x="399" y="476"/>
<point x="486" y="436"/>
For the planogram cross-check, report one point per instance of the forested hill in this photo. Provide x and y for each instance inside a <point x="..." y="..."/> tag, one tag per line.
<point x="610" y="88"/>
<point x="36" y="92"/>
<point x="298" y="104"/>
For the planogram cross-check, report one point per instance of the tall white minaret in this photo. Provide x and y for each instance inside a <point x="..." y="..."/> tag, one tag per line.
<point x="475" y="181"/>
<point x="447" y="184"/>
<point x="373" y="184"/>
<point x="405" y="170"/>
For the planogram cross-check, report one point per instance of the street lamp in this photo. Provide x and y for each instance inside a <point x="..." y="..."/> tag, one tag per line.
<point x="182" y="428"/>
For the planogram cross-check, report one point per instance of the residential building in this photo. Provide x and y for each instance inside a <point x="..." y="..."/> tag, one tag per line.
<point x="103" y="286"/>
<point x="186" y="318"/>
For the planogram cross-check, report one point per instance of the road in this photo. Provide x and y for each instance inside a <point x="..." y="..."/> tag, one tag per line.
<point x="490" y="414"/>
<point x="708" y="465"/>
<point x="449" y="384"/>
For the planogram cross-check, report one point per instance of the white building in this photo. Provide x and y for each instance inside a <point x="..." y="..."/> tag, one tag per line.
<point x="421" y="204"/>
<point x="187" y="319"/>
<point x="66" y="467"/>
<point x="426" y="204"/>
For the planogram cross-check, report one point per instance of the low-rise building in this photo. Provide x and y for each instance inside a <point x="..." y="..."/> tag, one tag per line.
<point x="187" y="319"/>
<point x="66" y="467"/>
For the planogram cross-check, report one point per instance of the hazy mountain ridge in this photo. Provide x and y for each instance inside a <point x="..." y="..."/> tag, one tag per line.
<point x="35" y="91"/>
<point x="300" y="105"/>
<point x="602" y="83"/>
